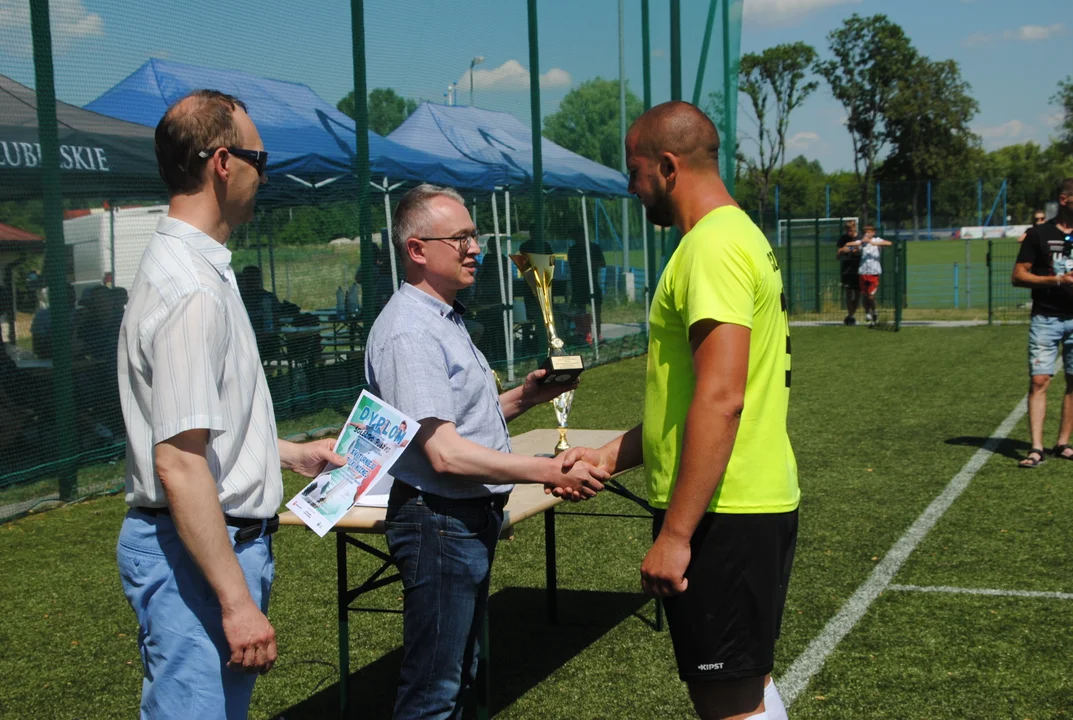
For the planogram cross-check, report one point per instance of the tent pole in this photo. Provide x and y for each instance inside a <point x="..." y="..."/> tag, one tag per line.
<point x="390" y="249"/>
<point x="510" y="277"/>
<point x="502" y="288"/>
<point x="594" y="331"/>
<point x="111" y="238"/>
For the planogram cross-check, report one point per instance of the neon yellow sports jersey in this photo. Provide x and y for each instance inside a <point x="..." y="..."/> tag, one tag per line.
<point x="723" y="270"/>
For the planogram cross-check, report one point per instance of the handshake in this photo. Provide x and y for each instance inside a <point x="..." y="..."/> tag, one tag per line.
<point x="578" y="474"/>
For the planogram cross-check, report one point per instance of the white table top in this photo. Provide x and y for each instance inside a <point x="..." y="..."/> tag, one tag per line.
<point x="526" y="500"/>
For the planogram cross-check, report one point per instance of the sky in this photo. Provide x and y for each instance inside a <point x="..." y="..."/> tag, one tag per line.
<point x="1012" y="54"/>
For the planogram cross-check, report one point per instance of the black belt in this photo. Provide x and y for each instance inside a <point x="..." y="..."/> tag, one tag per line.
<point x="248" y="528"/>
<point x="404" y="491"/>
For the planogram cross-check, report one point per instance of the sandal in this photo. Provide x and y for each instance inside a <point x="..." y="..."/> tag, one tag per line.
<point x="1060" y="451"/>
<point x="1030" y="462"/>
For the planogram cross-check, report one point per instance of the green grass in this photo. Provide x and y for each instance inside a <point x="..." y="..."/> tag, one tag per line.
<point x="880" y="424"/>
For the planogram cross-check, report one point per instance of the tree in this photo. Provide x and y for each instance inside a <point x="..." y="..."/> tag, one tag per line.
<point x="1064" y="97"/>
<point x="587" y="121"/>
<point x="387" y="109"/>
<point x="928" y="125"/>
<point x="774" y="82"/>
<point x="871" y="57"/>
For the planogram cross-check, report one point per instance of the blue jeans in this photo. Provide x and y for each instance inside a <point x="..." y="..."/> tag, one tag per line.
<point x="1045" y="336"/>
<point x="181" y="637"/>
<point x="444" y="551"/>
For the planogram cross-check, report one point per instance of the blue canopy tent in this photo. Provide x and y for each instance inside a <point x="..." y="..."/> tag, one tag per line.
<point x="310" y="144"/>
<point x="500" y="140"/>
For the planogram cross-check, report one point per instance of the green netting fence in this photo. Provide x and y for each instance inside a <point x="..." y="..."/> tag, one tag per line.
<point x="82" y="85"/>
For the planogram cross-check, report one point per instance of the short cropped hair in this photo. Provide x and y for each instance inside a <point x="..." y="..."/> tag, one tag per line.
<point x="201" y="121"/>
<point x="869" y="227"/>
<point x="411" y="218"/>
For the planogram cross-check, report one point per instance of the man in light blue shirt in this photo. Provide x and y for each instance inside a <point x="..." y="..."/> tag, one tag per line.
<point x="445" y="511"/>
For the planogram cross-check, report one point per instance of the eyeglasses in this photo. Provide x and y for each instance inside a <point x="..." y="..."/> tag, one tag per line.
<point x="463" y="239"/>
<point x="257" y="158"/>
<point x="1040" y="218"/>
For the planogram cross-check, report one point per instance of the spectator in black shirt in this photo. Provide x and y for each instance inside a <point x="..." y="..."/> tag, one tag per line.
<point x="1045" y="265"/>
<point x="579" y="280"/>
<point x="849" y="256"/>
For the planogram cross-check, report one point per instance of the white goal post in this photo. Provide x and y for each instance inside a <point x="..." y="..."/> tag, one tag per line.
<point x="804" y="229"/>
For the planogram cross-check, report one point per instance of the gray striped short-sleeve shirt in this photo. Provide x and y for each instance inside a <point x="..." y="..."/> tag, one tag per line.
<point x="188" y="360"/>
<point x="419" y="358"/>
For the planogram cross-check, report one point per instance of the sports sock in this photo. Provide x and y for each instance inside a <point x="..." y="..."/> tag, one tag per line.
<point x="773" y="707"/>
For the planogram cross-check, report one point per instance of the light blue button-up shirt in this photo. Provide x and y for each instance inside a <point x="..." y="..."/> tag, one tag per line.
<point x="420" y="359"/>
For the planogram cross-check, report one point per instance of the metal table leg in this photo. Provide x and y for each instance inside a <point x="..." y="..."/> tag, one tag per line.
<point x="550" y="569"/>
<point x="344" y="621"/>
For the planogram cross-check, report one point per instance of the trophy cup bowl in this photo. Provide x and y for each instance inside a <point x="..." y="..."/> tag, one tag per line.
<point x="561" y="368"/>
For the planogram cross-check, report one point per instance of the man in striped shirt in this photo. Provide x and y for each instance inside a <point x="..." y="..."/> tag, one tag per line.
<point x="203" y="461"/>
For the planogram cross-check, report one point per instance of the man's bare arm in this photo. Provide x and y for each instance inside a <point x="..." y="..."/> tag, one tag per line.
<point x="1024" y="277"/>
<point x="195" y="507"/>
<point x="721" y="364"/>
<point x="450" y="453"/>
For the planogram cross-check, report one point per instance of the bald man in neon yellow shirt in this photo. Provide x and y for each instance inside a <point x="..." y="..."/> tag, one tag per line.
<point x="720" y="471"/>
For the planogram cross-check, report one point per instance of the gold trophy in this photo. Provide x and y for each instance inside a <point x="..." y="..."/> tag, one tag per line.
<point x="561" y="368"/>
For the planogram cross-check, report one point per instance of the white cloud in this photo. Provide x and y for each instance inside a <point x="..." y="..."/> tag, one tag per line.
<point x="70" y="21"/>
<point x="1052" y="119"/>
<point x="1006" y="133"/>
<point x="802" y="140"/>
<point x="512" y="76"/>
<point x="1025" y="33"/>
<point x="1032" y="33"/>
<point x="785" y="12"/>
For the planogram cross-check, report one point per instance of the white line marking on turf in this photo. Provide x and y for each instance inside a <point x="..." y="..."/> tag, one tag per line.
<point x="984" y="591"/>
<point x="808" y="663"/>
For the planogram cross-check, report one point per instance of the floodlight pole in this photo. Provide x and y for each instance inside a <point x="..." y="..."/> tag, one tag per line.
<point x="537" y="230"/>
<point x="360" y="168"/>
<point x="55" y="250"/>
<point x="472" y="64"/>
<point x="652" y="271"/>
<point x="622" y="137"/>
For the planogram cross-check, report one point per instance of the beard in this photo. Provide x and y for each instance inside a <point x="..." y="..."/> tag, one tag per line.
<point x="659" y="211"/>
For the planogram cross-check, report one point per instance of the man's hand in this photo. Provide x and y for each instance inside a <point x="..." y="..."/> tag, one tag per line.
<point x="581" y="481"/>
<point x="309" y="459"/>
<point x="535" y="392"/>
<point x="663" y="573"/>
<point x="1065" y="280"/>
<point x="251" y="637"/>
<point x="572" y="457"/>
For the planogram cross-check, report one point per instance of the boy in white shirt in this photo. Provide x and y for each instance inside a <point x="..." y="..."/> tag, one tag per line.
<point x="870" y="269"/>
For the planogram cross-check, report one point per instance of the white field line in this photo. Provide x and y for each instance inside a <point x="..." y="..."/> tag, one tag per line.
<point x="984" y="591"/>
<point x="808" y="663"/>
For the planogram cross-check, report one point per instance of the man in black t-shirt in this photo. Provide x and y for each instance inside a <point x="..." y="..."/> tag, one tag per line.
<point x="1045" y="264"/>
<point x="849" y="257"/>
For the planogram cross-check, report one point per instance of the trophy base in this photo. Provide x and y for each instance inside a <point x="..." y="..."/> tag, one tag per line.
<point x="562" y="369"/>
<point x="561" y="446"/>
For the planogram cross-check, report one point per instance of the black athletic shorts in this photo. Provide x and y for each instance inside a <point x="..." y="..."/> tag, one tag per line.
<point x="851" y="281"/>
<point x="725" y="624"/>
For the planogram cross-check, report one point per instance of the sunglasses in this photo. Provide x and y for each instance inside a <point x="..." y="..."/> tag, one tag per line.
<point x="1040" y="218"/>
<point x="463" y="239"/>
<point x="257" y="158"/>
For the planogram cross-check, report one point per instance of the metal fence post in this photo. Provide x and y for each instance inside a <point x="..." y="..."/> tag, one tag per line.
<point x="816" y="233"/>
<point x="789" y="270"/>
<point x="990" y="285"/>
<point x="55" y="251"/>
<point x="899" y="271"/>
<point x="957" y="288"/>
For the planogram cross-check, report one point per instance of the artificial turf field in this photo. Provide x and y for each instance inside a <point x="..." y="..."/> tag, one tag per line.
<point x="881" y="423"/>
